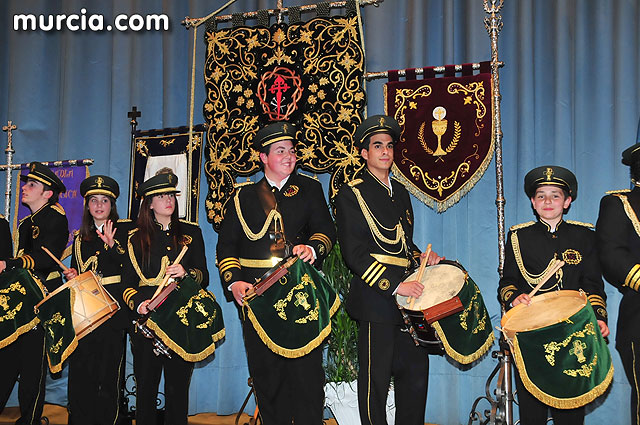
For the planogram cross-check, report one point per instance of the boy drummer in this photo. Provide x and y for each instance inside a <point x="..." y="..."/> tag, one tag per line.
<point x="532" y="248"/>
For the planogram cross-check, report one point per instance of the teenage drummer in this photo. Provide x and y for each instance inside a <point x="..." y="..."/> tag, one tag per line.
<point x="532" y="249"/>
<point x="375" y="229"/>
<point x="47" y="227"/>
<point x="99" y="246"/>
<point x="154" y="245"/>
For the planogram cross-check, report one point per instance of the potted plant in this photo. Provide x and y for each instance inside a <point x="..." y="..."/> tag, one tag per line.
<point x="341" y="366"/>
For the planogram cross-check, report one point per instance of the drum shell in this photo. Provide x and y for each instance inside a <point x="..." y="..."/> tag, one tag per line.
<point x="538" y="314"/>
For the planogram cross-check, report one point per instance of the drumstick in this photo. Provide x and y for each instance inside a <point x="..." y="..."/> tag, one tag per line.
<point x="166" y="278"/>
<point x="423" y="265"/>
<point x="64" y="268"/>
<point x="554" y="269"/>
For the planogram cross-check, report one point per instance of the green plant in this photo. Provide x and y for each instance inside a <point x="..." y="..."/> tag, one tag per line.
<point x="342" y="351"/>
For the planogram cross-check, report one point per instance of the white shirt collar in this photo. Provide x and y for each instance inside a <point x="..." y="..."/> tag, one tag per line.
<point x="279" y="186"/>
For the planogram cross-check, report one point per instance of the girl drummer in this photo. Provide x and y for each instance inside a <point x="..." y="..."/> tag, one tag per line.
<point x="153" y="246"/>
<point x="531" y="249"/>
<point x="95" y="376"/>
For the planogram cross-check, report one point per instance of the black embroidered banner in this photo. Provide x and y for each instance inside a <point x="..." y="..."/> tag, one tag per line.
<point x="307" y="73"/>
<point x="446" y="142"/>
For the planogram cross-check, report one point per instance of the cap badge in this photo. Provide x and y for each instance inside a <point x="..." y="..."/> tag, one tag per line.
<point x="99" y="181"/>
<point x="549" y="173"/>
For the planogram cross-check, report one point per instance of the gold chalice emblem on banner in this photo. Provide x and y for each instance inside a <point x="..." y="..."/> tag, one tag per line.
<point x="439" y="127"/>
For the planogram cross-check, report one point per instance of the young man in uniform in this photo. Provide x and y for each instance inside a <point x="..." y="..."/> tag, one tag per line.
<point x="375" y="227"/>
<point x="532" y="248"/>
<point x="618" y="237"/>
<point x="47" y="227"/>
<point x="284" y="213"/>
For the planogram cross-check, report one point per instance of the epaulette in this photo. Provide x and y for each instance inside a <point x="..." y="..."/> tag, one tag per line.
<point x="182" y="220"/>
<point x="237" y="185"/>
<point x="522" y="225"/>
<point x="611" y="192"/>
<point x="580" y="223"/>
<point x="132" y="231"/>
<point x="57" y="207"/>
<point x="355" y="182"/>
<point x="125" y="220"/>
<point x="314" y="177"/>
<point x="1" y="216"/>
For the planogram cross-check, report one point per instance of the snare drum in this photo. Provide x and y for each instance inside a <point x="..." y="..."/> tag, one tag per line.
<point x="442" y="282"/>
<point x="560" y="354"/>
<point x="452" y="305"/>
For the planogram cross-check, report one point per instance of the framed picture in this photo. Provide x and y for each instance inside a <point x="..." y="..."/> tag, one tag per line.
<point x="157" y="151"/>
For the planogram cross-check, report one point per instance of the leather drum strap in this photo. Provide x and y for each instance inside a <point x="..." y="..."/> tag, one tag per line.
<point x="269" y="203"/>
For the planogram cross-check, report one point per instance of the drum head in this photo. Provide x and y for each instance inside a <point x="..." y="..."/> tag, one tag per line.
<point x="441" y="283"/>
<point x="544" y="310"/>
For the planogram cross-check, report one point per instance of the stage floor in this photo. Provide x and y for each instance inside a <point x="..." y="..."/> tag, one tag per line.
<point x="58" y="416"/>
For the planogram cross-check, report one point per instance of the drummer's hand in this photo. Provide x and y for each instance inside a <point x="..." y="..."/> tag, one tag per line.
<point x="604" y="329"/>
<point x="521" y="299"/>
<point x="70" y="273"/>
<point x="176" y="271"/>
<point x="3" y="266"/>
<point x="143" y="308"/>
<point x="240" y="288"/>
<point x="304" y="252"/>
<point x="108" y="233"/>
<point x="410" y="288"/>
<point x="433" y="259"/>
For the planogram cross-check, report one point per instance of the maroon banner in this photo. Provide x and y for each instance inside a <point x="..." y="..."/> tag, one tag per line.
<point x="446" y="141"/>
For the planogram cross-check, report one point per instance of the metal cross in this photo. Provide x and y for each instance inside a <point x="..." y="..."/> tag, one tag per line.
<point x="8" y="128"/>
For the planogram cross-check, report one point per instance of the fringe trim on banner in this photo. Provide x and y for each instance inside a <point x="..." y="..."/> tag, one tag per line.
<point x="55" y="368"/>
<point x="454" y="198"/>
<point x="548" y="399"/>
<point x="295" y="352"/>
<point x="461" y="358"/>
<point x="21" y="330"/>
<point x="195" y="357"/>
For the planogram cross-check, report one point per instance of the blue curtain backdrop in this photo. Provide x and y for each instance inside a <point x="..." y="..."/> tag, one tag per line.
<point x="570" y="96"/>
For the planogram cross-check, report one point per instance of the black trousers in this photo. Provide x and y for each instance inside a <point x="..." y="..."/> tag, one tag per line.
<point x="630" y="356"/>
<point x="287" y="390"/>
<point x="147" y="368"/>
<point x="25" y="358"/>
<point x="385" y="351"/>
<point x="535" y="412"/>
<point x="95" y="371"/>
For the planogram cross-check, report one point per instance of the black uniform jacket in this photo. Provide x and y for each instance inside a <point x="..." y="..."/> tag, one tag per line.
<point x="366" y="210"/>
<point x="306" y="220"/>
<point x="618" y="236"/>
<point x="47" y="227"/>
<point x="6" y="245"/>
<point x="105" y="261"/>
<point x="141" y="279"/>
<point x="534" y="245"/>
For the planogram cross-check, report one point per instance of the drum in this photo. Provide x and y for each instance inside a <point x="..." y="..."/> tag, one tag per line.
<point x="560" y="354"/>
<point x="450" y="315"/>
<point x="71" y="312"/>
<point x="294" y="316"/>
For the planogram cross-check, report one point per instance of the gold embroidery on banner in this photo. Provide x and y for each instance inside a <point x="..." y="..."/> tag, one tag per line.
<point x="571" y="256"/>
<point x="301" y="300"/>
<point x="551" y="348"/>
<point x="199" y="307"/>
<point x="578" y="350"/>
<point x="56" y="318"/>
<point x="584" y="371"/>
<point x="141" y="147"/>
<point x="475" y="89"/>
<point x="4" y="301"/>
<point x="475" y="306"/>
<point x="167" y="142"/>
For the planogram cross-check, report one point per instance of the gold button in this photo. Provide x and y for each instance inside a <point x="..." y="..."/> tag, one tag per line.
<point x="168" y="248"/>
